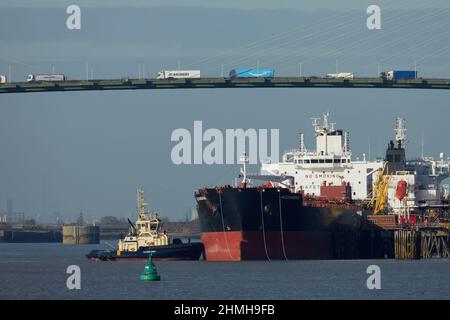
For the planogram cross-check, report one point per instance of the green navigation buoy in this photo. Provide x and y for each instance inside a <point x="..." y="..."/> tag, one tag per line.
<point x="150" y="273"/>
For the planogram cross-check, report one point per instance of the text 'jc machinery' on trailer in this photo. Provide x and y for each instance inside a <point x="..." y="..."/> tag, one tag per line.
<point x="252" y="73"/>
<point x="178" y="74"/>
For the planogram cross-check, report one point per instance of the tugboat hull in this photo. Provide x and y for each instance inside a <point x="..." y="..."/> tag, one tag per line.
<point x="173" y="252"/>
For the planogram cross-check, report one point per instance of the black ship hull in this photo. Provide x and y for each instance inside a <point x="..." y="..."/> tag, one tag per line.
<point x="172" y="252"/>
<point x="271" y="224"/>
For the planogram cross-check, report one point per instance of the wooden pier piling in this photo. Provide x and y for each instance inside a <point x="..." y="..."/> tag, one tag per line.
<point x="435" y="244"/>
<point x="423" y="243"/>
<point x="406" y="244"/>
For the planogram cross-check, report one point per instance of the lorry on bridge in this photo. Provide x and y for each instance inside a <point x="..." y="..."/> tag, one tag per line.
<point x="3" y="79"/>
<point x="45" y="77"/>
<point x="178" y="74"/>
<point x="341" y="75"/>
<point x="399" y="74"/>
<point x="252" y="73"/>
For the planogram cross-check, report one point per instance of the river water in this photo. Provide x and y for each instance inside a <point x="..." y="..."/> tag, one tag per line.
<point x="38" y="271"/>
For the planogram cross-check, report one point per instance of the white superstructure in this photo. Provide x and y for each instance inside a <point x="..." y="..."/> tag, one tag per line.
<point x="331" y="163"/>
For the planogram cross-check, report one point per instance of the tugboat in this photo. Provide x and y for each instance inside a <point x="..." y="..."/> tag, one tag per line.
<point x="146" y="237"/>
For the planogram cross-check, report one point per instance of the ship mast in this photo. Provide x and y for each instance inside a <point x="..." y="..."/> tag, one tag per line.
<point x="302" y="146"/>
<point x="141" y="203"/>
<point x="346" y="143"/>
<point x="400" y="131"/>
<point x="323" y="130"/>
<point x="244" y="160"/>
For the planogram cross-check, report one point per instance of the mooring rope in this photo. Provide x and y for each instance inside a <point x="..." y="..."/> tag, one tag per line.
<point x="263" y="229"/>
<point x="223" y="227"/>
<point x="281" y="226"/>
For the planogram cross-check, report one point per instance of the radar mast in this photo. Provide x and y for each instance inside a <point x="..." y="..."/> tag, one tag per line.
<point x="400" y="131"/>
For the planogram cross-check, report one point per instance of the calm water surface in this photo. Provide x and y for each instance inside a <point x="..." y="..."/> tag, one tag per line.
<point x="38" y="271"/>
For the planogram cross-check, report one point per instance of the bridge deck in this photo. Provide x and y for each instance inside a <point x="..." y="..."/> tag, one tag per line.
<point x="278" y="82"/>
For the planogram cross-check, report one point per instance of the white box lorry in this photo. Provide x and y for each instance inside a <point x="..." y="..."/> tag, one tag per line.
<point x="341" y="75"/>
<point x="178" y="74"/>
<point x="45" y="77"/>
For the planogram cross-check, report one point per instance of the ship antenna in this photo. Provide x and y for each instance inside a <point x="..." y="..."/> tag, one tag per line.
<point x="315" y="124"/>
<point x="141" y="202"/>
<point x="325" y="120"/>
<point x="333" y="126"/>
<point x="346" y="143"/>
<point x="302" y="143"/>
<point x="423" y="143"/>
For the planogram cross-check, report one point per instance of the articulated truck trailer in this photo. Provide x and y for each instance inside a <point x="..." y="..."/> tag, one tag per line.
<point x="252" y="73"/>
<point x="45" y="77"/>
<point x="399" y="74"/>
<point x="178" y="74"/>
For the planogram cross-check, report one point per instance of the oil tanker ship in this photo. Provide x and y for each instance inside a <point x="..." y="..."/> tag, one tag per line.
<point x="321" y="204"/>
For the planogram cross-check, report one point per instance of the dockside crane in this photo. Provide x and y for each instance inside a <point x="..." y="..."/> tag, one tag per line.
<point x="380" y="190"/>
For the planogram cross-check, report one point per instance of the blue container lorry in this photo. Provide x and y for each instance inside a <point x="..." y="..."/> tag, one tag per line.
<point x="401" y="74"/>
<point x="252" y="73"/>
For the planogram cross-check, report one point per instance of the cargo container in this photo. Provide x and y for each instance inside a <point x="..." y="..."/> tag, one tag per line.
<point x="45" y="77"/>
<point x="341" y="75"/>
<point x="252" y="73"/>
<point x="3" y="79"/>
<point x="399" y="74"/>
<point x="178" y="74"/>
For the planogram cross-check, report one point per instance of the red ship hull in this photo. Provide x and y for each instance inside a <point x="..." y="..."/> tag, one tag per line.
<point x="270" y="245"/>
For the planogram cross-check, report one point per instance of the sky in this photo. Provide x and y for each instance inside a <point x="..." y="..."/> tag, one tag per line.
<point x="89" y="151"/>
<point x="238" y="4"/>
